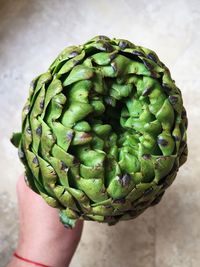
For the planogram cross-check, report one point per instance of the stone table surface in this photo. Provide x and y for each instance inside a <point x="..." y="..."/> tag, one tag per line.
<point x="32" y="33"/>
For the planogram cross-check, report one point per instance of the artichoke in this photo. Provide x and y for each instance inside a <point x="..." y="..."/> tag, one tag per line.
<point x="103" y="131"/>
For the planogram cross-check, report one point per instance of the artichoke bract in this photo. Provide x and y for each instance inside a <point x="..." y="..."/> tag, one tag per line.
<point x="103" y="131"/>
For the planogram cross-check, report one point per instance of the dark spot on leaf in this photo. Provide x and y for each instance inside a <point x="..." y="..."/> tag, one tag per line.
<point x="103" y="190"/>
<point x="114" y="66"/>
<point x="107" y="47"/>
<point x="146" y="156"/>
<point x="35" y="161"/>
<point x="86" y="136"/>
<point x="176" y="138"/>
<point x="147" y="91"/>
<point x="28" y="130"/>
<point x="119" y="201"/>
<point x="108" y="206"/>
<point x="123" y="44"/>
<point x="73" y="54"/>
<point x="166" y="88"/>
<point x="183" y="144"/>
<point x="69" y="136"/>
<point x="53" y="172"/>
<point x="173" y="99"/>
<point x="183" y="114"/>
<point x="112" y="56"/>
<point x="162" y="142"/>
<point x="75" y="161"/>
<point x="63" y="166"/>
<point x="42" y="104"/>
<point x="148" y="191"/>
<point x="39" y="130"/>
<point x="154" y="74"/>
<point x="147" y="64"/>
<point x="152" y="57"/>
<point x="125" y="179"/>
<point x="138" y="53"/>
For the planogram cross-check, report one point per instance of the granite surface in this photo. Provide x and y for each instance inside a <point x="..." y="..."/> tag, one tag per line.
<point x="32" y="33"/>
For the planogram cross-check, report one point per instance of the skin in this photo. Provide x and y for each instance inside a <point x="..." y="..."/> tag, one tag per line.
<point x="42" y="238"/>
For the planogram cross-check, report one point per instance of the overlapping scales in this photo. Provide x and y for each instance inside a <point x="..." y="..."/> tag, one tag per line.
<point x="103" y="132"/>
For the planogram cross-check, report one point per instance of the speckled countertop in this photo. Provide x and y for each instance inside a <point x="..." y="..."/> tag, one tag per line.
<point x="32" y="33"/>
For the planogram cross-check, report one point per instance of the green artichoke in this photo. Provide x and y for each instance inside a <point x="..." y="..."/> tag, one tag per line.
<point x="103" y="131"/>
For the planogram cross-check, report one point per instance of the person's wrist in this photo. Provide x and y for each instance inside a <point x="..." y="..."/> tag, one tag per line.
<point x="50" y="254"/>
<point x="42" y="238"/>
<point x="40" y="253"/>
<point x="18" y="263"/>
<point x="55" y="250"/>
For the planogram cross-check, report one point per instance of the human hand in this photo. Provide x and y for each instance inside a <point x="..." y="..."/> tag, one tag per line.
<point x="42" y="237"/>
